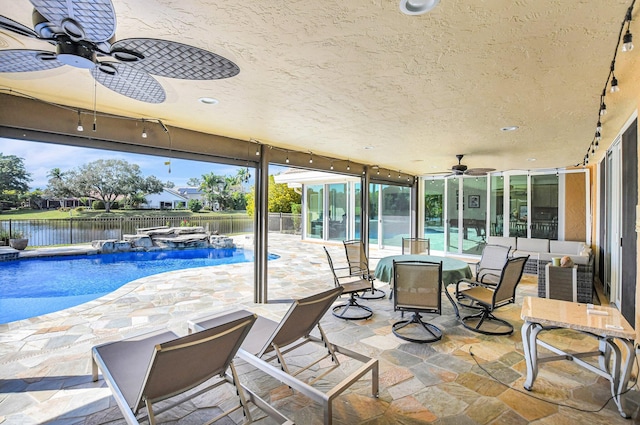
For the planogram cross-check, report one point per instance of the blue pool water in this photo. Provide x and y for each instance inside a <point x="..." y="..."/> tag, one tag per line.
<point x="32" y="287"/>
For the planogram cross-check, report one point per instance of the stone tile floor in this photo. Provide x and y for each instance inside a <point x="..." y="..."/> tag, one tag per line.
<point x="45" y="365"/>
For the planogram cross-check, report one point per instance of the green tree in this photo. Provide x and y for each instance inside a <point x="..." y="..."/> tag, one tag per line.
<point x="211" y="184"/>
<point x="33" y="198"/>
<point x="14" y="179"/>
<point x="230" y="188"/>
<point x="244" y="175"/>
<point x="57" y="185"/>
<point x="239" y="201"/>
<point x="282" y="198"/>
<point x="110" y="179"/>
<point x="194" y="182"/>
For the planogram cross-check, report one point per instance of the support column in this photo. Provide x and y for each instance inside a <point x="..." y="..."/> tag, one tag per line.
<point x="364" y="210"/>
<point x="415" y="225"/>
<point x="261" y="225"/>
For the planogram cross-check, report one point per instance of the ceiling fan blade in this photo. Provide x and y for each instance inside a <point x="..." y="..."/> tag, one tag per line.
<point x="93" y="20"/>
<point x="479" y="171"/>
<point x="130" y="82"/>
<point x="27" y="60"/>
<point x="16" y="27"/>
<point x="176" y="60"/>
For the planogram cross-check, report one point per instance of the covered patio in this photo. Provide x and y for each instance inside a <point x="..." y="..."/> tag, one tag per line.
<point x="46" y="369"/>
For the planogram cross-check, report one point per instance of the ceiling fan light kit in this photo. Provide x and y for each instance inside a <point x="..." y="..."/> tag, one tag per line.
<point x="417" y="7"/>
<point x="83" y="33"/>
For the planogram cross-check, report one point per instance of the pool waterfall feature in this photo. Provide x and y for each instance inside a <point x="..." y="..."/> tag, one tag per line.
<point x="164" y="237"/>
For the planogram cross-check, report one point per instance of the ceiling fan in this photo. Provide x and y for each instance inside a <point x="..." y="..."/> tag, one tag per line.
<point x="461" y="169"/>
<point x="83" y="33"/>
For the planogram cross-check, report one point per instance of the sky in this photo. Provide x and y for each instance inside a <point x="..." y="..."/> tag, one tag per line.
<point x="40" y="158"/>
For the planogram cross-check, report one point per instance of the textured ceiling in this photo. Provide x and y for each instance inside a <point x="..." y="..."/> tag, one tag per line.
<point x="359" y="80"/>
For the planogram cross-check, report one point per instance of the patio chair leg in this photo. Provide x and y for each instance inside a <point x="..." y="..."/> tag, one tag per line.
<point x="483" y="316"/>
<point x="340" y="311"/>
<point x="416" y="319"/>
<point x="373" y="293"/>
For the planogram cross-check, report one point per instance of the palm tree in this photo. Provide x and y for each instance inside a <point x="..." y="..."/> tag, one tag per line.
<point x="212" y="185"/>
<point x="243" y="175"/>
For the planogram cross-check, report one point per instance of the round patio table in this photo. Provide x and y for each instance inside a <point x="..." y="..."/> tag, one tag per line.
<point x="452" y="270"/>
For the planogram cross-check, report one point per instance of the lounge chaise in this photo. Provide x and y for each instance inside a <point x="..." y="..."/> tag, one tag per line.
<point x="270" y="340"/>
<point x="159" y="365"/>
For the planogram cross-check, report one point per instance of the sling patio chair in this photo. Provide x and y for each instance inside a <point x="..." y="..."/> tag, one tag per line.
<point x="493" y="259"/>
<point x="416" y="246"/>
<point x="351" y="285"/>
<point x="359" y="266"/>
<point x="488" y="298"/>
<point x="417" y="288"/>
<point x="271" y="341"/>
<point x="156" y="366"/>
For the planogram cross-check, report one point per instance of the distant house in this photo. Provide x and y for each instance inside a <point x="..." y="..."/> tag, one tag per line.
<point x="196" y="193"/>
<point x="190" y="193"/>
<point x="168" y="199"/>
<point x="53" y="203"/>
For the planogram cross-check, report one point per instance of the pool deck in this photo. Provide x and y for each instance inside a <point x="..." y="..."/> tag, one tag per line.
<point x="8" y="253"/>
<point x="45" y="364"/>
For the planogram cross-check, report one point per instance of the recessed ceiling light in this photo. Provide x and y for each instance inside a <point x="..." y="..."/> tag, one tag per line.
<point x="368" y="147"/>
<point x="417" y="7"/>
<point x="531" y="159"/>
<point x="208" y="100"/>
<point x="510" y="128"/>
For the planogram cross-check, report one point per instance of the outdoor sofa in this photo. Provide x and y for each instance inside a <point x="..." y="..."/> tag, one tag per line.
<point x="542" y="251"/>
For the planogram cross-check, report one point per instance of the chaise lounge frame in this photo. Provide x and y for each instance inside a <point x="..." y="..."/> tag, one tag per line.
<point x="158" y="365"/>
<point x="270" y="340"/>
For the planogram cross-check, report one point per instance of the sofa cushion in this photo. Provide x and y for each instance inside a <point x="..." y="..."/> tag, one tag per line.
<point x="547" y="257"/>
<point x="501" y="240"/>
<point x="532" y="245"/>
<point x="569" y="247"/>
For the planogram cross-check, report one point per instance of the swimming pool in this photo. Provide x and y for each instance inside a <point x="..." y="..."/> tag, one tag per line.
<point x="36" y="286"/>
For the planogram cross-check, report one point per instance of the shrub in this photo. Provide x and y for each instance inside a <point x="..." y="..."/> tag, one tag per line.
<point x="296" y="210"/>
<point x="4" y="236"/>
<point x="97" y="205"/>
<point x="195" y="205"/>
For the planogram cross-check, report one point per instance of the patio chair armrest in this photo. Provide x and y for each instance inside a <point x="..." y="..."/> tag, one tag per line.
<point x="366" y="274"/>
<point x="492" y="275"/>
<point x="468" y="282"/>
<point x="341" y="268"/>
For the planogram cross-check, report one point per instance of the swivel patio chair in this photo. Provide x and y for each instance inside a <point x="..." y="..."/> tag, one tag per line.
<point x="489" y="298"/>
<point x="157" y="366"/>
<point x="417" y="288"/>
<point x="359" y="266"/>
<point x="351" y="285"/>
<point x="416" y="246"/>
<point x="269" y="343"/>
<point x="491" y="263"/>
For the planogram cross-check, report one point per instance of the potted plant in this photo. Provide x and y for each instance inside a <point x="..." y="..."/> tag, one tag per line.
<point x="18" y="240"/>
